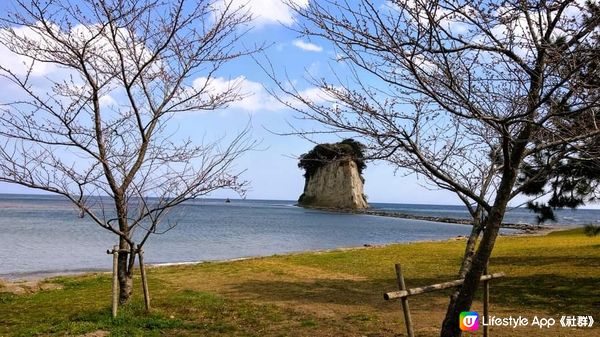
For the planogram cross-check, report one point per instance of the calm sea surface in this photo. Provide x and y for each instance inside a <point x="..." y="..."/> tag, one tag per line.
<point x="43" y="234"/>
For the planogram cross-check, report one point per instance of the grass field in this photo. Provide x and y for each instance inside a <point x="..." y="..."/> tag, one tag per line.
<point x="336" y="293"/>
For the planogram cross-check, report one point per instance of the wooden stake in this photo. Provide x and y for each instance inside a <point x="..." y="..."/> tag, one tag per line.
<point x="486" y="302"/>
<point x="402" y="287"/>
<point x="115" y="281"/>
<point x="445" y="285"/>
<point x="144" y="280"/>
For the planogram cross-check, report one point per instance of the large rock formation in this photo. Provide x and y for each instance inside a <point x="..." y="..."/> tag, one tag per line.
<point x="333" y="176"/>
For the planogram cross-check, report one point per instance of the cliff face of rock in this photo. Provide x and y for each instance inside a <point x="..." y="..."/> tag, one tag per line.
<point x="336" y="184"/>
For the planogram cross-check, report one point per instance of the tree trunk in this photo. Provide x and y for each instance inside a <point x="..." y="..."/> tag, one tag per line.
<point x="467" y="259"/>
<point x="462" y="300"/>
<point x="469" y="255"/>
<point x="124" y="273"/>
<point x="470" y="248"/>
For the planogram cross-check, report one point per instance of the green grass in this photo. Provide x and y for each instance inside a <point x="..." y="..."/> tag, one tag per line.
<point x="334" y="293"/>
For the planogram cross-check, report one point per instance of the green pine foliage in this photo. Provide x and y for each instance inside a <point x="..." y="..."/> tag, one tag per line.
<point x="322" y="154"/>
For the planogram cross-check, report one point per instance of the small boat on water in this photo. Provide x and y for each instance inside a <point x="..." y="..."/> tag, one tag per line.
<point x="227" y="200"/>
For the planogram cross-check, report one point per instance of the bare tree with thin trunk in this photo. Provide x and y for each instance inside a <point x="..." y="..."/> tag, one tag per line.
<point x="462" y="93"/>
<point x="96" y="128"/>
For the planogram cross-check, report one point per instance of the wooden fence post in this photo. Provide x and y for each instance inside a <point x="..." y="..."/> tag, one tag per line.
<point x="486" y="301"/>
<point x="402" y="286"/>
<point x="404" y="293"/>
<point x="115" y="281"/>
<point x="144" y="280"/>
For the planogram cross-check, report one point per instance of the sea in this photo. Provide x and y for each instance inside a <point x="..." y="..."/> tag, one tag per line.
<point x="43" y="235"/>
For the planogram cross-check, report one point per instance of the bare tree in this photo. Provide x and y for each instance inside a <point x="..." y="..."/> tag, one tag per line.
<point x="100" y="127"/>
<point x="462" y="93"/>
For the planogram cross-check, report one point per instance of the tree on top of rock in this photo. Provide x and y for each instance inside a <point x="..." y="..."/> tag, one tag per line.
<point x="322" y="154"/>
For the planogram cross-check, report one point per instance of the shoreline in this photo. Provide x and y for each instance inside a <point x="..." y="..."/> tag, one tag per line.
<point x="34" y="279"/>
<point x="521" y="230"/>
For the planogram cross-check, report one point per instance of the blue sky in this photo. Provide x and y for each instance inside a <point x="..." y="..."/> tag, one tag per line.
<point x="272" y="169"/>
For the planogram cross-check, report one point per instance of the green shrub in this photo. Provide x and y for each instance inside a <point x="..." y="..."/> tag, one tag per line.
<point x="591" y="230"/>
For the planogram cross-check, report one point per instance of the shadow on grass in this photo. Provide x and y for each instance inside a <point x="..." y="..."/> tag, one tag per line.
<point x="527" y="261"/>
<point x="548" y="293"/>
<point x="331" y="291"/>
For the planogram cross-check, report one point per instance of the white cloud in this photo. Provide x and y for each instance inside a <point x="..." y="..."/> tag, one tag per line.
<point x="254" y="96"/>
<point x="107" y="101"/>
<point x="267" y="11"/>
<point x="419" y="10"/>
<point x="307" y="46"/>
<point x="313" y="95"/>
<point x="316" y="95"/>
<point x="19" y="64"/>
<point x="424" y="64"/>
<point x="100" y="49"/>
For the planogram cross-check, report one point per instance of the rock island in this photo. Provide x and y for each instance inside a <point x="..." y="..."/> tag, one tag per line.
<point x="333" y="176"/>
